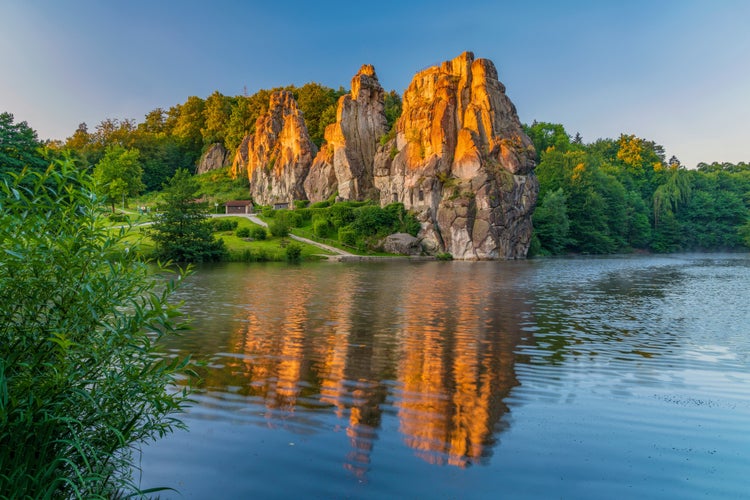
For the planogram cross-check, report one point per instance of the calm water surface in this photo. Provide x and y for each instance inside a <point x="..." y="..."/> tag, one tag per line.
<point x="622" y="377"/>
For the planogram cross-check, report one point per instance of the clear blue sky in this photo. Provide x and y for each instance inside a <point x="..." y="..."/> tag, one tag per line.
<point x="673" y="71"/>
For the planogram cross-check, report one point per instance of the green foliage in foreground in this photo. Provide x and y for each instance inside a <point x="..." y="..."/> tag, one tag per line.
<point x="81" y="382"/>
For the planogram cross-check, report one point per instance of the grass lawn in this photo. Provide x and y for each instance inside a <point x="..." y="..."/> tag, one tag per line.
<point x="270" y="249"/>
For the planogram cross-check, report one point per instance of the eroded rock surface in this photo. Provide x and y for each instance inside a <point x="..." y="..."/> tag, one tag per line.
<point x="215" y="157"/>
<point x="278" y="156"/>
<point x="462" y="161"/>
<point x="345" y="162"/>
<point x="459" y="158"/>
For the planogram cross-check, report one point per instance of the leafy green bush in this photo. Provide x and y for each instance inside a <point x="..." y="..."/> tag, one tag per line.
<point x="268" y="212"/>
<point x="244" y="232"/>
<point x="279" y="229"/>
<point x="305" y="214"/>
<point x="293" y="252"/>
<point x="341" y="214"/>
<point x="301" y="203"/>
<point x="348" y="236"/>
<point x="81" y="382"/>
<point x="222" y="224"/>
<point x="290" y="218"/>
<point x="321" y="204"/>
<point x="321" y="227"/>
<point x="117" y="217"/>
<point x="372" y="220"/>
<point x="259" y="233"/>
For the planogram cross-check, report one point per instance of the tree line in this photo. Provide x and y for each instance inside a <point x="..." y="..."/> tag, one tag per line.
<point x="619" y="195"/>
<point x="173" y="139"/>
<point x="608" y="196"/>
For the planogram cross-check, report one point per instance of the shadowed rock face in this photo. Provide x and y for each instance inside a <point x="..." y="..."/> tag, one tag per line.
<point x="278" y="156"/>
<point x="345" y="163"/>
<point x="460" y="158"/>
<point x="214" y="158"/>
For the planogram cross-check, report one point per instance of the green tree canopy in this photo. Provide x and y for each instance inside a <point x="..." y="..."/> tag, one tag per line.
<point x="19" y="146"/>
<point x="551" y="222"/>
<point x="216" y="115"/>
<point x="392" y="109"/>
<point x="119" y="174"/>
<point x="315" y="101"/>
<point x="548" y="136"/>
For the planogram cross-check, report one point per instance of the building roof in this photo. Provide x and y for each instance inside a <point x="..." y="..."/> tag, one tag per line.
<point x="238" y="203"/>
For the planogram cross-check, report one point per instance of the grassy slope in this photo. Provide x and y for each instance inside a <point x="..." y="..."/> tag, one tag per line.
<point x="240" y="249"/>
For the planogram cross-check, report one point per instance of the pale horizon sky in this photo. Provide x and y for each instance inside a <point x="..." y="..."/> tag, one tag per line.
<point x="672" y="71"/>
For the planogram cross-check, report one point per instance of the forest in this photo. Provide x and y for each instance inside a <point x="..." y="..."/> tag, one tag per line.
<point x="621" y="195"/>
<point x="606" y="196"/>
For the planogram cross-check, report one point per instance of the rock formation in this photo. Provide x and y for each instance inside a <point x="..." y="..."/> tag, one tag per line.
<point x="459" y="158"/>
<point x="462" y="161"/>
<point x="278" y="156"/>
<point x="214" y="158"/>
<point x="345" y="163"/>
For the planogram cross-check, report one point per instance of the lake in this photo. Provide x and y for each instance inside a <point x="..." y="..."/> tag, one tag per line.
<point x="612" y="377"/>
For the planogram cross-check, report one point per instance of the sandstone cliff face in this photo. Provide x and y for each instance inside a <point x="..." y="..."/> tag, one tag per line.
<point x="345" y="163"/>
<point x="214" y="158"/>
<point x="460" y="158"/>
<point x="278" y="156"/>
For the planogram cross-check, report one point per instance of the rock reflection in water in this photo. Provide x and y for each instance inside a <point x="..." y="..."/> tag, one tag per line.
<point x="432" y="347"/>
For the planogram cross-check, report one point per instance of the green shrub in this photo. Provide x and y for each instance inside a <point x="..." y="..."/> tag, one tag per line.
<point x="301" y="203"/>
<point x="348" y="236"/>
<point x="321" y="204"/>
<point x="293" y="252"/>
<point x="341" y="214"/>
<point x="444" y="256"/>
<point x="244" y="232"/>
<point x="279" y="229"/>
<point x="321" y="227"/>
<point x="305" y="214"/>
<point x="268" y="212"/>
<point x="372" y="220"/>
<point x="259" y="233"/>
<point x="290" y="218"/>
<point x="82" y="385"/>
<point x="117" y="217"/>
<point x="222" y="224"/>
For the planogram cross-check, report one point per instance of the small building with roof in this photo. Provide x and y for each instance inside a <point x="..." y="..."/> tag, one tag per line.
<point x="239" y="207"/>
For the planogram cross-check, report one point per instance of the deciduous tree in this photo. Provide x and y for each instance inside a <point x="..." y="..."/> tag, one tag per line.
<point x="119" y="174"/>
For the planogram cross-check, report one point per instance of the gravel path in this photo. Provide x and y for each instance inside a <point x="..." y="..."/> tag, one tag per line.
<point x="335" y="250"/>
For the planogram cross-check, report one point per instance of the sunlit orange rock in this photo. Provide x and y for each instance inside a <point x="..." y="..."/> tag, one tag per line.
<point x="278" y="156"/>
<point x="461" y="159"/>
<point x="345" y="162"/>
